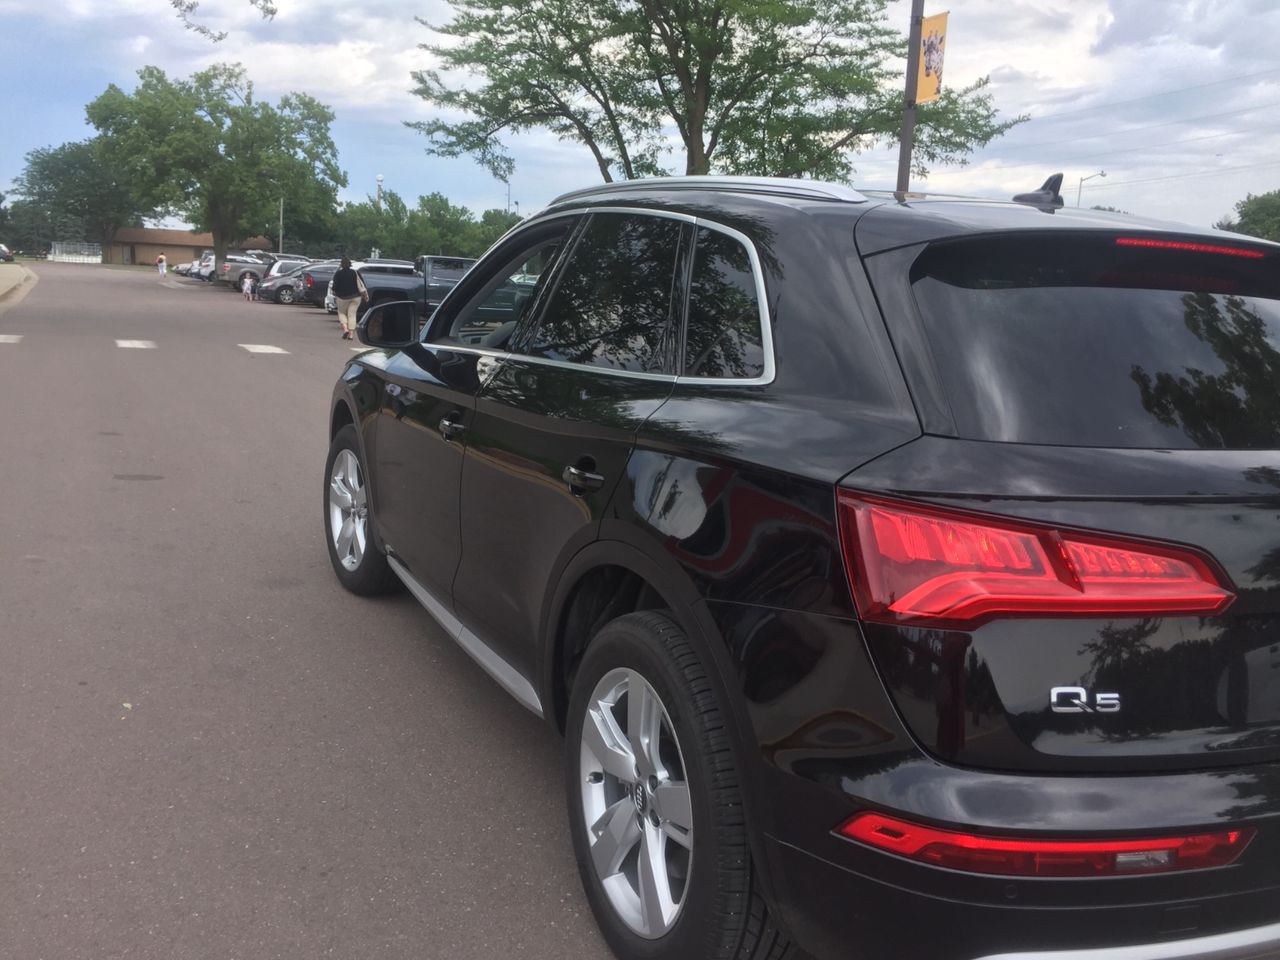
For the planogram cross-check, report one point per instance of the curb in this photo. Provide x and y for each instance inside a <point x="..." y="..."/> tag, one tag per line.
<point x="14" y="290"/>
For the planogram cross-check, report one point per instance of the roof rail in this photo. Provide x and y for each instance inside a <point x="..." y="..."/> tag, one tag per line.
<point x="779" y="186"/>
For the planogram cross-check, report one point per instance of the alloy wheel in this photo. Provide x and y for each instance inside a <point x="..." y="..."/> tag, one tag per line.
<point x="636" y="803"/>
<point x="348" y="510"/>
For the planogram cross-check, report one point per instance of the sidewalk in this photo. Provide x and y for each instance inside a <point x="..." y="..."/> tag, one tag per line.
<point x="13" y="277"/>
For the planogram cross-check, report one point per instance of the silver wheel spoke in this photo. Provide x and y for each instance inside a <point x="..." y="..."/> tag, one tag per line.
<point x="357" y="542"/>
<point x="656" y="906"/>
<point x="644" y="724"/>
<point x="339" y="495"/>
<point x="346" y="536"/>
<point x="616" y="833"/>
<point x="671" y="800"/>
<point x="601" y="736"/>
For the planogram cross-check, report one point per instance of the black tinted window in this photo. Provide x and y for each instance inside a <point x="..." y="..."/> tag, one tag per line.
<point x="1096" y="342"/>
<point x="612" y="304"/>
<point x="723" y="337"/>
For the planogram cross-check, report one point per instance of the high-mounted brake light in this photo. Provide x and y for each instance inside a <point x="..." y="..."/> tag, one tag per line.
<point x="1025" y="857"/>
<point x="909" y="563"/>
<point x="1188" y="247"/>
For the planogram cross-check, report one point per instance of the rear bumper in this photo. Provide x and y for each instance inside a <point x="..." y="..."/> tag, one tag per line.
<point x="1259" y="943"/>
<point x="831" y="909"/>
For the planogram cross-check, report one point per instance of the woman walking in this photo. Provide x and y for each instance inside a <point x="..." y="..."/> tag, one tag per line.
<point x="349" y="292"/>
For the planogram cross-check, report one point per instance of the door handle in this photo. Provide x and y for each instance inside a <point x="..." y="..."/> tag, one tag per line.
<point x="451" y="429"/>
<point x="580" y="481"/>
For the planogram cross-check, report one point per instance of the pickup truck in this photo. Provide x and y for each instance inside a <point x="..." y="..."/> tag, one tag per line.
<point x="431" y="279"/>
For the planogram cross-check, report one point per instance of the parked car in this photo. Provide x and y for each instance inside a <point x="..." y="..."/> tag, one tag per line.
<point x="283" y="287"/>
<point x="204" y="271"/>
<point x="902" y="573"/>
<point x="236" y="266"/>
<point x="315" y="280"/>
<point x="6" y="255"/>
<point x="403" y="283"/>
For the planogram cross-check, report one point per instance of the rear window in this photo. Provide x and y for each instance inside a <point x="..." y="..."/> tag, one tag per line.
<point x="1106" y="341"/>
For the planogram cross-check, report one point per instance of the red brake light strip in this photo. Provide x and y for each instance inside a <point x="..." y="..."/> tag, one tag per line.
<point x="1189" y="247"/>
<point x="1027" y="857"/>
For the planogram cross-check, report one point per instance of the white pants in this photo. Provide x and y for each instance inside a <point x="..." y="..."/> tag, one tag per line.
<point x="348" y="312"/>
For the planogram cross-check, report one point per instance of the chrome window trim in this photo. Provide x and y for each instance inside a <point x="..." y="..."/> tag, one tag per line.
<point x="506" y="675"/>
<point x="757" y="270"/>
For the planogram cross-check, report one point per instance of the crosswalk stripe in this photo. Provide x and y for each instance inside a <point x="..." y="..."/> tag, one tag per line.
<point x="261" y="348"/>
<point x="136" y="344"/>
<point x="10" y="338"/>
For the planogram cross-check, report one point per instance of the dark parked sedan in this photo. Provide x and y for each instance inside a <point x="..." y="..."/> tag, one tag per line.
<point x="283" y="287"/>
<point x="903" y="574"/>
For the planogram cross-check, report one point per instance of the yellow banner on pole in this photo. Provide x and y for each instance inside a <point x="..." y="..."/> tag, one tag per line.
<point x="933" y="46"/>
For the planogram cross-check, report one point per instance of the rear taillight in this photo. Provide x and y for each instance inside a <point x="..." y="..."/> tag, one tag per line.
<point x="1024" y="857"/>
<point x="914" y="564"/>
<point x="308" y="281"/>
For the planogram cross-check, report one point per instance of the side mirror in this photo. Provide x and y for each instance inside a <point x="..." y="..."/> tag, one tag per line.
<point x="389" y="325"/>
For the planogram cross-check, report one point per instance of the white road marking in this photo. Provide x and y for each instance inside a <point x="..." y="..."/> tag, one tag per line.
<point x="136" y="344"/>
<point x="261" y="348"/>
<point x="10" y="338"/>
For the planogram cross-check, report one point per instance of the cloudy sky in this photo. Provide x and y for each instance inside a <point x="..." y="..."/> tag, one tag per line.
<point x="1178" y="101"/>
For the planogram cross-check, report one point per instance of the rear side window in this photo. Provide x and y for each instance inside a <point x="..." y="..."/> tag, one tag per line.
<point x="450" y="269"/>
<point x="1106" y="341"/>
<point x="612" y="305"/>
<point x="723" y="335"/>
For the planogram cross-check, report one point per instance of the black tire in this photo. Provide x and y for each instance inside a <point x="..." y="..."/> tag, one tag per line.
<point x="368" y="573"/>
<point x="722" y="915"/>
<point x="285" y="295"/>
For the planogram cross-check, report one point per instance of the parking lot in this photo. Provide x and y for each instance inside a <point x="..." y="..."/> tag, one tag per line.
<point x="209" y="749"/>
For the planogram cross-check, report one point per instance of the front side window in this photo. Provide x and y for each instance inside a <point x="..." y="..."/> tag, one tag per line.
<point x="724" y="336"/>
<point x="613" y="304"/>
<point x="490" y="317"/>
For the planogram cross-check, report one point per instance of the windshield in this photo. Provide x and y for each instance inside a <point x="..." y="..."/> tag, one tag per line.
<point x="1109" y="341"/>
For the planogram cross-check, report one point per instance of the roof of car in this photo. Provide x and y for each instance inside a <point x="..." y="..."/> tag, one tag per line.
<point x="886" y="219"/>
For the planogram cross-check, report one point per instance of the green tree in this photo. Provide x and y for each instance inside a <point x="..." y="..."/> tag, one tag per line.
<point x="217" y="156"/>
<point x="1256" y="216"/>
<point x="187" y="11"/>
<point x="82" y="184"/>
<point x="434" y="226"/>
<point x="779" y="87"/>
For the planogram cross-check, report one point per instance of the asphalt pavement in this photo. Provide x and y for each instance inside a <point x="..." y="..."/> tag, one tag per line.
<point x="208" y="749"/>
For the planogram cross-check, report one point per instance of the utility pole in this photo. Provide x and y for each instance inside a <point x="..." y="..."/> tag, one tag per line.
<point x="908" y="136"/>
<point x="281" y="242"/>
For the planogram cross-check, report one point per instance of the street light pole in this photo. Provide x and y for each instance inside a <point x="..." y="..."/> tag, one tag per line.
<point x="378" y="202"/>
<point x="281" y="241"/>
<point x="1080" y="186"/>
<point x="906" y="141"/>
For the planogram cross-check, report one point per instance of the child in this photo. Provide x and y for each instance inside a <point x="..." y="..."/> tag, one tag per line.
<point x="248" y="284"/>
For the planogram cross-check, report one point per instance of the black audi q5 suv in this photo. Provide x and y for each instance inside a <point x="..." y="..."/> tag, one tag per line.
<point x="903" y="573"/>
